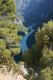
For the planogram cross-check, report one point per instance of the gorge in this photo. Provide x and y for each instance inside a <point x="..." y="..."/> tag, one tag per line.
<point x="33" y="12"/>
<point x="26" y="39"/>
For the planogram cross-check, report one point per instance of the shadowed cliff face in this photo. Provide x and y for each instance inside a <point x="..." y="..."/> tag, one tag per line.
<point x="36" y="11"/>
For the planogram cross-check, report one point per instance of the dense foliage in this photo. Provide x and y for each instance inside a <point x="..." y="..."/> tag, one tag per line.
<point x="7" y="7"/>
<point x="9" y="38"/>
<point x="40" y="57"/>
<point x="9" y="42"/>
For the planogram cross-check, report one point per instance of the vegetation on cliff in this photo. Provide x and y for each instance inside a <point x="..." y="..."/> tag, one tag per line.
<point x="40" y="56"/>
<point x="9" y="38"/>
<point x="7" y="7"/>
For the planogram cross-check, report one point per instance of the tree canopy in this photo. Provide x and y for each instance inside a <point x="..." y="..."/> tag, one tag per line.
<point x="7" y="7"/>
<point x="9" y="38"/>
<point x="40" y="56"/>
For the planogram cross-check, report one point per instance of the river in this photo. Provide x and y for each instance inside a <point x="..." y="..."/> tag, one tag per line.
<point x="23" y="42"/>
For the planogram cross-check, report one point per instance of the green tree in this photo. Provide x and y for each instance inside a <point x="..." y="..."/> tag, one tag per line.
<point x="41" y="53"/>
<point x="7" y="7"/>
<point x="46" y="74"/>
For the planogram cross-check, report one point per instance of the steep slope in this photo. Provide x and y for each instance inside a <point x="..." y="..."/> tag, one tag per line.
<point x="35" y="11"/>
<point x="22" y="4"/>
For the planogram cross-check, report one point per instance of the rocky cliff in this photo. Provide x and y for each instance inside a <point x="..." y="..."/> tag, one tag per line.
<point x="35" y="11"/>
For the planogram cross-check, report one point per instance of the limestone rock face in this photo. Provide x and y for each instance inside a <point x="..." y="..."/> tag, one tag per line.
<point x="22" y="4"/>
<point x="5" y="75"/>
<point x="35" y="11"/>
